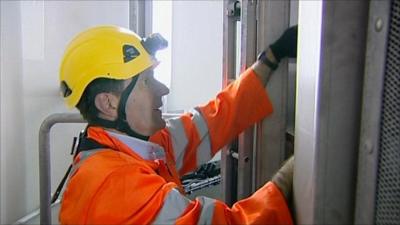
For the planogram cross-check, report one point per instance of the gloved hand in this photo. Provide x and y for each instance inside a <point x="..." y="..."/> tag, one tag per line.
<point x="284" y="178"/>
<point x="286" y="45"/>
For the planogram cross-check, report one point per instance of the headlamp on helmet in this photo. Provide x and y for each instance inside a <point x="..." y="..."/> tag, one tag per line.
<point x="153" y="43"/>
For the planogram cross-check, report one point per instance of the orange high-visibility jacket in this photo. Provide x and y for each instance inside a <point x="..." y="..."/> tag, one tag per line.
<point x="115" y="185"/>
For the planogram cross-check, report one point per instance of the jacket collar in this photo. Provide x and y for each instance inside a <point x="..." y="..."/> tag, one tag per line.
<point x="147" y="150"/>
<point x="127" y="144"/>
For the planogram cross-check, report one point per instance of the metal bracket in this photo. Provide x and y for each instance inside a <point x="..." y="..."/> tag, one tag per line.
<point x="233" y="9"/>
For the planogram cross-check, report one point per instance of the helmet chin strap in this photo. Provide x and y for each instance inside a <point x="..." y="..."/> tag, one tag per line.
<point x="120" y="123"/>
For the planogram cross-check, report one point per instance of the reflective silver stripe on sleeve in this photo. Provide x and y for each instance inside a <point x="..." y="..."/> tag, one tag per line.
<point x="208" y="205"/>
<point x="204" y="148"/>
<point x="174" y="205"/>
<point x="179" y="140"/>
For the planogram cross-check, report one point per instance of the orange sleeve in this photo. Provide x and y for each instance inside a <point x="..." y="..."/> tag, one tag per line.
<point x="241" y="104"/>
<point x="265" y="206"/>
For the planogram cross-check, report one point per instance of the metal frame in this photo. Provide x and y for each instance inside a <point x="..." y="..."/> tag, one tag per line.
<point x="371" y="111"/>
<point x="273" y="19"/>
<point x="327" y="136"/>
<point x="261" y="149"/>
<point x="228" y="161"/>
<point x="245" y="181"/>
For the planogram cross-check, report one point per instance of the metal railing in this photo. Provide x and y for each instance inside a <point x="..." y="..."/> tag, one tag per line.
<point x="44" y="159"/>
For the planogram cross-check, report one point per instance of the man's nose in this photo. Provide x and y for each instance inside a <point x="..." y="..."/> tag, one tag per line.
<point x="162" y="89"/>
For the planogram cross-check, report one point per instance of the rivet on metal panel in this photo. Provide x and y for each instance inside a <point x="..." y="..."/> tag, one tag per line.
<point x="378" y="24"/>
<point x="368" y="147"/>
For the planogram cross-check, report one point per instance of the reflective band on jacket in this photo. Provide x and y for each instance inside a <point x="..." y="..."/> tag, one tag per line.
<point x="179" y="137"/>
<point x="179" y="140"/>
<point x="204" y="149"/>
<point x="174" y="205"/>
<point x="207" y="211"/>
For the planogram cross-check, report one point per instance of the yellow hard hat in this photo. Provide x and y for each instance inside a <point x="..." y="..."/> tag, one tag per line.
<point x="104" y="52"/>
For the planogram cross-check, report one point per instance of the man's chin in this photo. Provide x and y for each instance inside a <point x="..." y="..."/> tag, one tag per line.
<point x="160" y="125"/>
<point x="163" y="124"/>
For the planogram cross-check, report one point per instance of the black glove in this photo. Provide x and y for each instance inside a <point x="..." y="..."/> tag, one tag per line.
<point x="286" y="45"/>
<point x="284" y="178"/>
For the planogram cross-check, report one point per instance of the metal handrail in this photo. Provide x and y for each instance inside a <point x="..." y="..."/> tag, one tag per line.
<point x="44" y="159"/>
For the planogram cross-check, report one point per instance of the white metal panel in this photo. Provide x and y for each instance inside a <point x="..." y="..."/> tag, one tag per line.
<point x="310" y="16"/>
<point x="328" y="109"/>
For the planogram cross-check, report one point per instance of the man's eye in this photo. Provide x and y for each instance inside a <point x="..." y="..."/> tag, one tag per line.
<point x="146" y="81"/>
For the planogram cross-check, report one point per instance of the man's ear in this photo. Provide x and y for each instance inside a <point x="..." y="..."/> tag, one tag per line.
<point x="107" y="104"/>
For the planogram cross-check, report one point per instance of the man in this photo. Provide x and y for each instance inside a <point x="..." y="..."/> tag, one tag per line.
<point x="129" y="160"/>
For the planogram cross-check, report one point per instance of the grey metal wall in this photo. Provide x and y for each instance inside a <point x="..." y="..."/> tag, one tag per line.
<point x="378" y="184"/>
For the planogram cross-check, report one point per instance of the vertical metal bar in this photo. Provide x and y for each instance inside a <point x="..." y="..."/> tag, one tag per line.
<point x="378" y="27"/>
<point x="271" y="133"/>
<point x="332" y="37"/>
<point x="44" y="159"/>
<point x="309" y="39"/>
<point x="140" y="17"/>
<point x="229" y="52"/>
<point x="291" y="95"/>
<point x="133" y="16"/>
<point x="246" y="139"/>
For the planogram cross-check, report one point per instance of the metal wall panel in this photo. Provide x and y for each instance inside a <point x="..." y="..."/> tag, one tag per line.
<point x="371" y="111"/>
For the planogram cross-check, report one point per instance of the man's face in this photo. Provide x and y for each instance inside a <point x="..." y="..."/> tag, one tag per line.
<point x="143" y="112"/>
